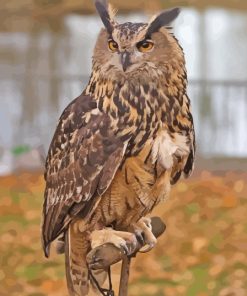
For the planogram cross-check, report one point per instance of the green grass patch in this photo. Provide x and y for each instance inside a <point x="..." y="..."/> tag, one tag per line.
<point x="192" y="208"/>
<point x="31" y="272"/>
<point x="201" y="277"/>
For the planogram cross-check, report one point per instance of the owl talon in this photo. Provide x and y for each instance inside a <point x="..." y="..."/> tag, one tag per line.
<point x="120" y="239"/>
<point x="144" y="235"/>
<point x="95" y="262"/>
<point x="140" y="238"/>
<point x="125" y="248"/>
<point x="147" y="248"/>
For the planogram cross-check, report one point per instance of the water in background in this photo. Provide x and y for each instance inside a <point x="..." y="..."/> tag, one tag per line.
<point x="43" y="70"/>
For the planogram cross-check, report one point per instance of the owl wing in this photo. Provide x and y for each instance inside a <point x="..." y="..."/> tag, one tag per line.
<point x="189" y="164"/>
<point x="185" y="164"/>
<point x="83" y="158"/>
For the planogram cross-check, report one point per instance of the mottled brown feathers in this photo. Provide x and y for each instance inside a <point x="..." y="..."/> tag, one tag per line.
<point x="83" y="158"/>
<point x="119" y="146"/>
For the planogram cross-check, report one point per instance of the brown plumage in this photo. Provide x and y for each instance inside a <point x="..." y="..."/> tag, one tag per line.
<point x="120" y="145"/>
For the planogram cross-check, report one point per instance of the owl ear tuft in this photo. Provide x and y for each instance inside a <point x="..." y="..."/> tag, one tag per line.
<point x="103" y="10"/>
<point x="162" y="20"/>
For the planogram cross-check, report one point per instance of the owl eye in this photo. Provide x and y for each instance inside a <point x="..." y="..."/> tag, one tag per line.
<point x="113" y="46"/>
<point x="145" y="46"/>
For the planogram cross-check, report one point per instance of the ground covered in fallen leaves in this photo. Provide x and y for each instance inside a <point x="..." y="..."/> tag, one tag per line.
<point x="202" y="253"/>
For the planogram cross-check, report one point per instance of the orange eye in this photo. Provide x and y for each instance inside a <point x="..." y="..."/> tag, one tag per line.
<point x="145" y="46"/>
<point x="113" y="46"/>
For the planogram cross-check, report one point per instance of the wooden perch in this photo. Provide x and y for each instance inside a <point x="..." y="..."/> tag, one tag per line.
<point x="104" y="256"/>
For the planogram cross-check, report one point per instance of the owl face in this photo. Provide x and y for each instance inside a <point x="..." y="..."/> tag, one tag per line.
<point x="132" y="48"/>
<point x="128" y="45"/>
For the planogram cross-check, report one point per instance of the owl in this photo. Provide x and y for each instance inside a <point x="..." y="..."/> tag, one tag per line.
<point x="120" y="146"/>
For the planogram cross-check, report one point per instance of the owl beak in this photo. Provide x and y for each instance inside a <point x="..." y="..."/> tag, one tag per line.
<point x="125" y="60"/>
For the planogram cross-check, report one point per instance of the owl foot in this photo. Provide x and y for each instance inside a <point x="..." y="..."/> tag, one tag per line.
<point x="121" y="239"/>
<point x="144" y="234"/>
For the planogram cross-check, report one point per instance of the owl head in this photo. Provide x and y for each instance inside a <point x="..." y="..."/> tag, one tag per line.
<point x="130" y="49"/>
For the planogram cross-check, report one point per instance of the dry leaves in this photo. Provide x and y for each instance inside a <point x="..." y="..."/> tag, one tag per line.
<point x="202" y="253"/>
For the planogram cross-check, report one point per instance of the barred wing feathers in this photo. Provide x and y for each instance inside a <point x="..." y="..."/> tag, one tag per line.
<point x="83" y="158"/>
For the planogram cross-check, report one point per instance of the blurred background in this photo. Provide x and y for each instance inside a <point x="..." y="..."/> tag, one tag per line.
<point x="45" y="62"/>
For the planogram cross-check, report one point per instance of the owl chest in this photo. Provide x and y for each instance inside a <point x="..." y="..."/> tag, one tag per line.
<point x="161" y="152"/>
<point x="167" y="148"/>
<point x="136" y="189"/>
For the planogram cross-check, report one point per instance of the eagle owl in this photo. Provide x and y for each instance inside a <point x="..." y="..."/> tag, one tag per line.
<point x="121" y="144"/>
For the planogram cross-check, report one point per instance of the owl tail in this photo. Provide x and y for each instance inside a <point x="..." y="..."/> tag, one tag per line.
<point x="76" y="249"/>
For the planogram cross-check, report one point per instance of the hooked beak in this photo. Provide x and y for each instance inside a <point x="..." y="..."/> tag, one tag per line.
<point x="125" y="60"/>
